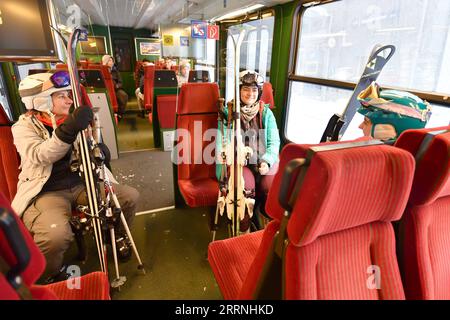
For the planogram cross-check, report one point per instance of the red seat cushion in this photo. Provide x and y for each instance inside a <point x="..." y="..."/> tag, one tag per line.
<point x="231" y="259"/>
<point x="92" y="286"/>
<point x="199" y="192"/>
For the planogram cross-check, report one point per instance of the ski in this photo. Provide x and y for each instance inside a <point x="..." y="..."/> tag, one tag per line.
<point x="86" y="166"/>
<point x="239" y="154"/>
<point x="338" y="123"/>
<point x="231" y="195"/>
<point x="93" y="170"/>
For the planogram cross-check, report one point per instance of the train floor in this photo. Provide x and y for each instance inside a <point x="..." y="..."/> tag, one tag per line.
<point x="173" y="248"/>
<point x="134" y="131"/>
<point x="172" y="242"/>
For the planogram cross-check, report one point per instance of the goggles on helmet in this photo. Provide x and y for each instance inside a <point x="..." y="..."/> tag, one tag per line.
<point x="251" y="78"/>
<point x="59" y="79"/>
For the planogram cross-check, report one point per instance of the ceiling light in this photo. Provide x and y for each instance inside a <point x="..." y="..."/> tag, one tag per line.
<point x="237" y="13"/>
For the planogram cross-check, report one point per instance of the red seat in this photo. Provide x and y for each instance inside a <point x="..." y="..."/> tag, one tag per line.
<point x="338" y="232"/>
<point x="424" y="248"/>
<point x="9" y="160"/>
<point x="149" y="79"/>
<point x="197" y="112"/>
<point x="92" y="286"/>
<point x="267" y="94"/>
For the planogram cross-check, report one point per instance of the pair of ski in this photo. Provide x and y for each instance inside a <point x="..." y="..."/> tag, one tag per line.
<point x="94" y="173"/>
<point x="233" y="156"/>
<point x="231" y="188"/>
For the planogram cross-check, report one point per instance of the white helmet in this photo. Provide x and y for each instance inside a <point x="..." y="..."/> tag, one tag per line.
<point x="248" y="77"/>
<point x="36" y="89"/>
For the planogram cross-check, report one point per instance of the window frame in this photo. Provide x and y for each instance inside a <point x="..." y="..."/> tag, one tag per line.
<point x="432" y="97"/>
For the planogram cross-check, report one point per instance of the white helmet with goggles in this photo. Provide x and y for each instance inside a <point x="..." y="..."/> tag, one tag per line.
<point x="250" y="78"/>
<point x="36" y="90"/>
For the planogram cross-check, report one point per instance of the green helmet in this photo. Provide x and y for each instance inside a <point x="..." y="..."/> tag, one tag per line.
<point x="400" y="109"/>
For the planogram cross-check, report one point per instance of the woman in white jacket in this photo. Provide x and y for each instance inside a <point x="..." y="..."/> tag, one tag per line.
<point x="48" y="189"/>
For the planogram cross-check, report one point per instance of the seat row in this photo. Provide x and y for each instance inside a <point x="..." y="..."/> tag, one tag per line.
<point x="21" y="261"/>
<point x="332" y="235"/>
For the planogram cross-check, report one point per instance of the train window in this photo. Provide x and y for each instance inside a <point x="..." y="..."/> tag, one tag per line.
<point x="311" y="105"/>
<point x="255" y="51"/>
<point x="440" y="116"/>
<point x="334" y="42"/>
<point x="4" y="102"/>
<point x="209" y="61"/>
<point x="24" y="69"/>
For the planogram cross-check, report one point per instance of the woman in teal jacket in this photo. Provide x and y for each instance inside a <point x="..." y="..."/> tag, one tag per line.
<point x="260" y="133"/>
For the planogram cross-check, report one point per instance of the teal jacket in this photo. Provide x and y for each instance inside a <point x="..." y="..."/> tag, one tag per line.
<point x="271" y="141"/>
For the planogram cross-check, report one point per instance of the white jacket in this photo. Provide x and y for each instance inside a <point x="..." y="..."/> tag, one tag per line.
<point x="38" y="151"/>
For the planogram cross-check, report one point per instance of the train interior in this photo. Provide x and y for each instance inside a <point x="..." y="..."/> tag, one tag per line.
<point x="311" y="55"/>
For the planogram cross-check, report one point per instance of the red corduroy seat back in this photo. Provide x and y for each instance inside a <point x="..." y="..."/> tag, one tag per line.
<point x="91" y="286"/>
<point x="341" y="241"/>
<point x="425" y="228"/>
<point x="338" y="233"/>
<point x="9" y="160"/>
<point x="267" y="94"/>
<point x="197" y="112"/>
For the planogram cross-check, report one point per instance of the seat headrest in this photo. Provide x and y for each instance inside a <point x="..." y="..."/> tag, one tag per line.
<point x="198" y="98"/>
<point x="289" y="152"/>
<point x="432" y="177"/>
<point x="351" y="187"/>
<point x="267" y="94"/>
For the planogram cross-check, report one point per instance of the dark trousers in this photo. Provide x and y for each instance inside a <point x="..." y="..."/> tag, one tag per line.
<point x="122" y="100"/>
<point x="47" y="218"/>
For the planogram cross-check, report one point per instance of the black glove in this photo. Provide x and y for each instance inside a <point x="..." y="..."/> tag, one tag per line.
<point x="107" y="154"/>
<point x="74" y="123"/>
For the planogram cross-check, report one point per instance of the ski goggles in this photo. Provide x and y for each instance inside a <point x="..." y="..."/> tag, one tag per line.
<point x="59" y="79"/>
<point x="251" y="79"/>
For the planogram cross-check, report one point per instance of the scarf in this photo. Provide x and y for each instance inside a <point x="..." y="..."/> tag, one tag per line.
<point x="48" y="122"/>
<point x="248" y="112"/>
